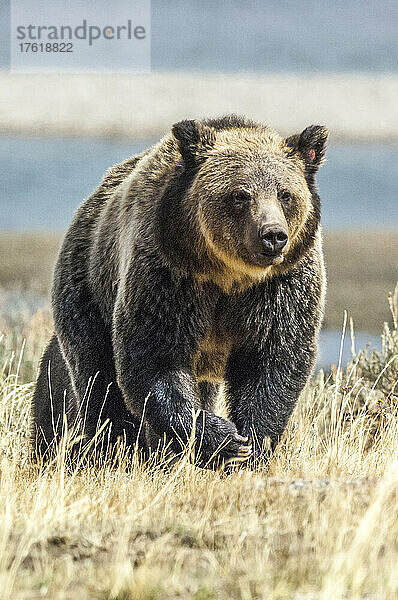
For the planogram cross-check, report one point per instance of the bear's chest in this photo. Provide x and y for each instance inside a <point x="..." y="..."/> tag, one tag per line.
<point x="211" y="357"/>
<point x="214" y="348"/>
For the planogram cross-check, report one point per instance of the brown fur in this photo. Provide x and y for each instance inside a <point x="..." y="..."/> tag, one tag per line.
<point x="243" y="148"/>
<point x="166" y="285"/>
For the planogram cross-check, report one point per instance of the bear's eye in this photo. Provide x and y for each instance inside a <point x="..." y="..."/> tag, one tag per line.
<point x="240" y="198"/>
<point x="285" y="197"/>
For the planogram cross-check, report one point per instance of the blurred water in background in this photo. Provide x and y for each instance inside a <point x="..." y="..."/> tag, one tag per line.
<point x="274" y="35"/>
<point x="45" y="179"/>
<point x="264" y="36"/>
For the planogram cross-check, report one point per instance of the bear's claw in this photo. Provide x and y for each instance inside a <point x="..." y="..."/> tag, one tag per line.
<point x="243" y="455"/>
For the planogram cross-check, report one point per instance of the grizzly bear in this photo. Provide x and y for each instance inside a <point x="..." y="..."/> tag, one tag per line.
<point x="195" y="263"/>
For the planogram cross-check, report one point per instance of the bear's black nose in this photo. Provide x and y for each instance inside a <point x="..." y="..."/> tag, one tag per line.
<point x="273" y="238"/>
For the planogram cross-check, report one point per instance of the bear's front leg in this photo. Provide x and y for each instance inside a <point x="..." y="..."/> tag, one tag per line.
<point x="260" y="399"/>
<point x="156" y="331"/>
<point x="266" y="373"/>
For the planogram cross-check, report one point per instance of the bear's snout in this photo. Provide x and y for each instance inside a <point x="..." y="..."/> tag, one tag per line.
<point x="273" y="238"/>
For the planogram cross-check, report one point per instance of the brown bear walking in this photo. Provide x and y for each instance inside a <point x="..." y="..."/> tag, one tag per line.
<point x="195" y="263"/>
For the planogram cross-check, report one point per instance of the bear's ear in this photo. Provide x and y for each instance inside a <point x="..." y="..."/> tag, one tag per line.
<point x="194" y="139"/>
<point x="311" y="145"/>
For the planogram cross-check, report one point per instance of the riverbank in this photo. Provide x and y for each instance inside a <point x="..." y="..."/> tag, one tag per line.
<point x="360" y="107"/>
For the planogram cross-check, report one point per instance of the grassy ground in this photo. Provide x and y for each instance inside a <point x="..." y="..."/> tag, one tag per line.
<point x="321" y="523"/>
<point x="362" y="267"/>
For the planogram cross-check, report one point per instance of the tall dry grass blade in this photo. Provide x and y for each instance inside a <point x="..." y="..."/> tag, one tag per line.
<point x="393" y="302"/>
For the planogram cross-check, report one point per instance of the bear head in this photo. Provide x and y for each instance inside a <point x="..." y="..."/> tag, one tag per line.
<point x="252" y="194"/>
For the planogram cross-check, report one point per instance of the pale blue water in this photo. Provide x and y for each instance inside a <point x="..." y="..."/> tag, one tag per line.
<point x="330" y="344"/>
<point x="265" y="35"/>
<point x="43" y="180"/>
<point x="275" y="35"/>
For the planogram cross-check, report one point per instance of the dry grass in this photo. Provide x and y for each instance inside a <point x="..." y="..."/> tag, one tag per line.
<point x="321" y="523"/>
<point x="356" y="261"/>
